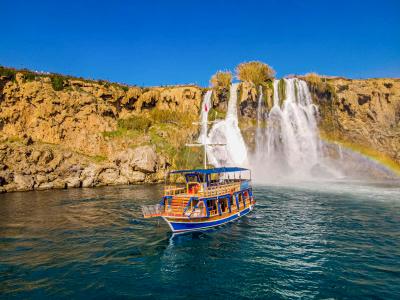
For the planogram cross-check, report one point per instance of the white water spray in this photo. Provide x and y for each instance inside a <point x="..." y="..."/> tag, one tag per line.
<point x="227" y="132"/>
<point x="260" y="120"/>
<point x="289" y="149"/>
<point x="205" y="108"/>
<point x="290" y="145"/>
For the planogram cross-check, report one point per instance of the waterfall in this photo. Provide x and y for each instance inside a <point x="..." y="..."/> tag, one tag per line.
<point x="234" y="152"/>
<point x="205" y="108"/>
<point x="260" y="119"/>
<point x="340" y="151"/>
<point x="288" y="148"/>
<point x="290" y="145"/>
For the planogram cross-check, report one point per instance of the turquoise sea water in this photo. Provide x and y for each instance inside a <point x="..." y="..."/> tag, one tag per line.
<point x="326" y="240"/>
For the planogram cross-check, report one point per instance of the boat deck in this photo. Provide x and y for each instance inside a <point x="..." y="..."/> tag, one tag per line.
<point x="178" y="205"/>
<point x="210" y="191"/>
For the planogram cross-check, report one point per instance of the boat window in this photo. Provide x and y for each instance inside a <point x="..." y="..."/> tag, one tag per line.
<point x="214" y="179"/>
<point x="241" y="200"/>
<point x="191" y="178"/>
<point x="194" y="203"/>
<point x="212" y="206"/>
<point x="201" y="177"/>
<point x="224" y="204"/>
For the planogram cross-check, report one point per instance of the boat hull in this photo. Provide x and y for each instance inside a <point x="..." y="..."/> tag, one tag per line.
<point x="182" y="226"/>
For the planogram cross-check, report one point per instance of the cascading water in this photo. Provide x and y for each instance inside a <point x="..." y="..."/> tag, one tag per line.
<point x="205" y="108"/>
<point x="290" y="145"/>
<point x="289" y="148"/>
<point x="234" y="152"/>
<point x="260" y="120"/>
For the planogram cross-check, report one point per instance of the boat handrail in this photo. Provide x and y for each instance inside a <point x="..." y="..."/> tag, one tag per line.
<point x="174" y="190"/>
<point x="220" y="189"/>
<point x="212" y="190"/>
<point x="150" y="211"/>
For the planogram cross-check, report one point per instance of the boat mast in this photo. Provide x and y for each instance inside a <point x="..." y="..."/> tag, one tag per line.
<point x="204" y="144"/>
<point x="205" y="155"/>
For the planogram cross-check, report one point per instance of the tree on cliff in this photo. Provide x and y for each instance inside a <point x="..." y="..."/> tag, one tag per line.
<point x="256" y="72"/>
<point x="221" y="80"/>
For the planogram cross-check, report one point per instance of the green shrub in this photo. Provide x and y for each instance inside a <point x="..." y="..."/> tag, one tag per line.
<point x="29" y="76"/>
<point x="281" y="91"/>
<point x="57" y="82"/>
<point x="9" y="73"/>
<point x="188" y="158"/>
<point x="215" y="114"/>
<point x="254" y="71"/>
<point x="172" y="117"/>
<point x="98" y="158"/>
<point x="221" y="79"/>
<point x="321" y="85"/>
<point x="313" y="78"/>
<point x="105" y="83"/>
<point x="138" y="123"/>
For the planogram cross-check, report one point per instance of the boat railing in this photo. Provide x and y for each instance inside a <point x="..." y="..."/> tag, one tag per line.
<point x="172" y="190"/>
<point x="150" y="211"/>
<point x="210" y="191"/>
<point x="220" y="189"/>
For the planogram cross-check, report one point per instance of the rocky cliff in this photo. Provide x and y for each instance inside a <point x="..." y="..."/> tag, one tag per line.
<point x="59" y="132"/>
<point x="361" y="114"/>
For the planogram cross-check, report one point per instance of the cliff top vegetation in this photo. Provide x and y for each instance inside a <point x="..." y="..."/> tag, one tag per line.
<point x="256" y="72"/>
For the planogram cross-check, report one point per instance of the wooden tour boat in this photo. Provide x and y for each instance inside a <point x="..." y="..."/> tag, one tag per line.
<point x="208" y="198"/>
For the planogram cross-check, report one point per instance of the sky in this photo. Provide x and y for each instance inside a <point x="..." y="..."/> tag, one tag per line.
<point x="151" y="43"/>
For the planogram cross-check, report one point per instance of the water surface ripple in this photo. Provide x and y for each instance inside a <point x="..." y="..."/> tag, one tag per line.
<point x="326" y="240"/>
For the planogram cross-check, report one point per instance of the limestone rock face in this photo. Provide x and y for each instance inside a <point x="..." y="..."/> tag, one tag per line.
<point x="40" y="167"/>
<point x="72" y="137"/>
<point x="248" y="100"/>
<point x="111" y="176"/>
<point x="363" y="112"/>
<point x="56" y="138"/>
<point x="76" y="116"/>
<point x="23" y="182"/>
<point x="142" y="159"/>
<point x="132" y="176"/>
<point x="248" y="105"/>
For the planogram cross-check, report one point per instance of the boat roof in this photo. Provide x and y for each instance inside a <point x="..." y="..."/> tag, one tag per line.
<point x="210" y="171"/>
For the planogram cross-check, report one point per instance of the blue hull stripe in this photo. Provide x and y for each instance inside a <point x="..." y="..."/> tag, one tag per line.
<point x="192" y="226"/>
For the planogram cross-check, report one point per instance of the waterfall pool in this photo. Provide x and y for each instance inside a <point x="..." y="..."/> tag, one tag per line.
<point x="326" y="240"/>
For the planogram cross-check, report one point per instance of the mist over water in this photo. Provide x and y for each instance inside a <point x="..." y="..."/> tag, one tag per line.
<point x="290" y="145"/>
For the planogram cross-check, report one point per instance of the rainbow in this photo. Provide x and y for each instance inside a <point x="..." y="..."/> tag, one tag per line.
<point x="371" y="156"/>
